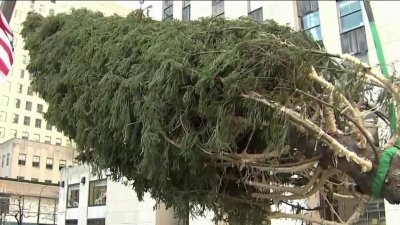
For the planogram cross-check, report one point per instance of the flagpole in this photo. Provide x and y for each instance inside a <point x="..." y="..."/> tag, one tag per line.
<point x="7" y="8"/>
<point x="381" y="59"/>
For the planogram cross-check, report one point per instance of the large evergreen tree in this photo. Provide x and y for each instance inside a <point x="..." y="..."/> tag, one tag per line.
<point x="229" y="115"/>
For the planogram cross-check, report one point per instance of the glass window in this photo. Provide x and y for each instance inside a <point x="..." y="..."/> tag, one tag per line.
<point x="186" y="11"/>
<point x="22" y="159"/>
<point x="58" y="141"/>
<point x="19" y="88"/>
<point x="2" y="160"/>
<point x="49" y="163"/>
<point x="8" y="159"/>
<point x="73" y="196"/>
<point x="48" y="126"/>
<point x="168" y="10"/>
<point x="51" y="12"/>
<point x="36" y="137"/>
<point x="28" y="106"/>
<point x="15" y="118"/>
<point x="27" y="120"/>
<point x="25" y="135"/>
<point x="19" y="178"/>
<point x="38" y="123"/>
<point x="47" y="139"/>
<point x="47" y="181"/>
<point x="39" y="108"/>
<point x="3" y="116"/>
<point x="306" y="6"/>
<point x="22" y="74"/>
<point x="257" y="15"/>
<point x="351" y="21"/>
<point x="100" y="221"/>
<point x="17" y="103"/>
<point x="218" y="8"/>
<point x="4" y="100"/>
<point x="62" y="165"/>
<point x="97" y="192"/>
<point x="29" y="91"/>
<point x="13" y="133"/>
<point x="2" y="130"/>
<point x="24" y="59"/>
<point x="310" y="19"/>
<point x="35" y="161"/>
<point x="34" y="180"/>
<point x="347" y="7"/>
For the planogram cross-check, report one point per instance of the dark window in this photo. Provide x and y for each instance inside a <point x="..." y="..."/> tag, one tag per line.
<point x="30" y="91"/>
<point x="97" y="192"/>
<point x="22" y="159"/>
<point x="38" y="123"/>
<point x="39" y="108"/>
<point x="25" y="135"/>
<point x="257" y="15"/>
<point x="2" y="160"/>
<point x="53" y="1"/>
<point x="101" y="221"/>
<point x="20" y="178"/>
<point x="310" y="21"/>
<point x="58" y="141"/>
<point x="71" y="222"/>
<point x="35" y="161"/>
<point x="47" y="139"/>
<point x="49" y="163"/>
<point x="47" y="181"/>
<point x="15" y="118"/>
<point x="17" y="103"/>
<point x="13" y="133"/>
<point x="8" y="159"/>
<point x="218" y="8"/>
<point x="168" y="10"/>
<point x="27" y="120"/>
<point x="62" y="164"/>
<point x="22" y="74"/>
<point x="28" y="105"/>
<point x="73" y="196"/>
<point x="186" y="11"/>
<point x="48" y="126"/>
<point x="19" y="88"/>
<point x="34" y="180"/>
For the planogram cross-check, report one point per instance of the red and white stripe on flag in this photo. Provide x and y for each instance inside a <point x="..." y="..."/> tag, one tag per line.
<point x="6" y="49"/>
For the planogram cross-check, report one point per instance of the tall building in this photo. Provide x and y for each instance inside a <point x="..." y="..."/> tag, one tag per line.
<point x="21" y="110"/>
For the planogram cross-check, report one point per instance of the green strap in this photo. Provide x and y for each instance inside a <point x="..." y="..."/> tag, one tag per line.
<point x="383" y="168"/>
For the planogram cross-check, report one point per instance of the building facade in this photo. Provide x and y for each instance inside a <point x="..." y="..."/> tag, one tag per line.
<point x="87" y="199"/>
<point x="21" y="110"/>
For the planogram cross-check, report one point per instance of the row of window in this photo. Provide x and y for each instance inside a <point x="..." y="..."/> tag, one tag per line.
<point x="218" y="10"/>
<point x="97" y="194"/>
<point x="36" y="162"/>
<point x="17" y="104"/>
<point x="20" y="178"/>
<point x="352" y="30"/>
<point x="26" y="122"/>
<point x="25" y="135"/>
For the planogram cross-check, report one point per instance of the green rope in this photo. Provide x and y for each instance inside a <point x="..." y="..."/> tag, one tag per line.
<point x="383" y="168"/>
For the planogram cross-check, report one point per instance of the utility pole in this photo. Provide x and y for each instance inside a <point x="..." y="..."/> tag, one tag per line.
<point x="7" y="8"/>
<point x="382" y="61"/>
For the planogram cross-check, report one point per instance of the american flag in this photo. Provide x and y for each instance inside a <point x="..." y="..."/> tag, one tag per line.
<point x="6" y="48"/>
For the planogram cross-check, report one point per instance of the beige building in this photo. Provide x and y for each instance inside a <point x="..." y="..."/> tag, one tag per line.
<point x="21" y="110"/>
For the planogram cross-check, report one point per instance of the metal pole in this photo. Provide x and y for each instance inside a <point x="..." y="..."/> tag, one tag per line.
<point x="7" y="8"/>
<point x="40" y="200"/>
<point x="382" y="61"/>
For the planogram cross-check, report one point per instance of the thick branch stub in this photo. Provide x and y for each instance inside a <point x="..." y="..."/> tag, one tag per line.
<point x="295" y="117"/>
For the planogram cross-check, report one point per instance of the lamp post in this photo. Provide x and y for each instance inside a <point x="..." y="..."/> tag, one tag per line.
<point x="40" y="200"/>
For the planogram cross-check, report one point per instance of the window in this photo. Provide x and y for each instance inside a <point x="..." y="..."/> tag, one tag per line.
<point x="27" y="120"/>
<point x="353" y="37"/>
<point x="35" y="180"/>
<point x="58" y="141"/>
<point x="257" y="15"/>
<point x="22" y="74"/>
<point x="62" y="165"/>
<point x="48" y="126"/>
<point x="8" y="159"/>
<point x="20" y="178"/>
<point x="47" y="139"/>
<point x="47" y="181"/>
<point x="168" y="10"/>
<point x="2" y="160"/>
<point x="17" y="103"/>
<point x="49" y="163"/>
<point x="25" y="135"/>
<point x="39" y="108"/>
<point x="29" y="91"/>
<point x="51" y="12"/>
<point x="308" y="12"/>
<point x="2" y="130"/>
<point x="186" y="11"/>
<point x="71" y="222"/>
<point x="3" y="116"/>
<point x="28" y="106"/>
<point x="53" y="1"/>
<point x="73" y="196"/>
<point x="24" y="59"/>
<point x="374" y="213"/>
<point x="41" y="8"/>
<point x="35" y="161"/>
<point x="19" y="88"/>
<point x="218" y="8"/>
<point x="15" y="118"/>
<point x="101" y="221"/>
<point x="13" y="133"/>
<point x="4" y="100"/>
<point x="97" y="192"/>
<point x="36" y="137"/>
<point x="22" y="159"/>
<point x="38" y="123"/>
